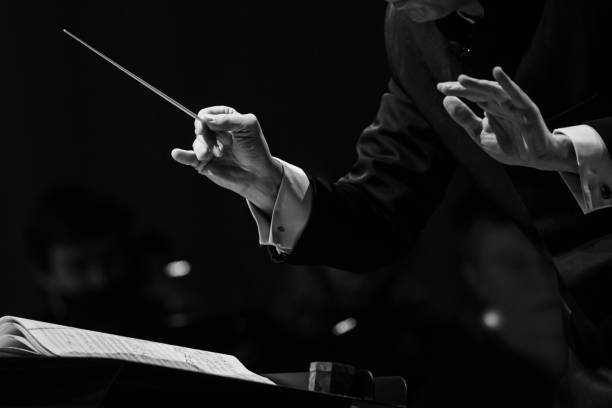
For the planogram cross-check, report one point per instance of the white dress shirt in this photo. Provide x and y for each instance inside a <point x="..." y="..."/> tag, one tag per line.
<point x="591" y="186"/>
<point x="290" y="213"/>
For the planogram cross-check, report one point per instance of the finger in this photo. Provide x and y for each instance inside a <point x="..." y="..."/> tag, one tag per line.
<point x="208" y="138"/>
<point x="217" y="149"/>
<point x="224" y="140"/>
<point x="198" y="125"/>
<point x="464" y="117"/>
<point x="505" y="141"/>
<point x="489" y="88"/>
<point x="515" y="92"/>
<point x="490" y="107"/>
<point x="216" y="110"/>
<point x="202" y="149"/>
<point x="213" y="144"/>
<point x="186" y="157"/>
<point x="504" y="110"/>
<point x="205" y="113"/>
<point x="458" y="90"/>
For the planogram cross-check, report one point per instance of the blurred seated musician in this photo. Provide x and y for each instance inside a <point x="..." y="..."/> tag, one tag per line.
<point x="80" y="251"/>
<point x="416" y="165"/>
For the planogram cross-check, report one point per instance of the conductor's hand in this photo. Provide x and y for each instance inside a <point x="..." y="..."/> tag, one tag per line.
<point x="513" y="130"/>
<point x="230" y="149"/>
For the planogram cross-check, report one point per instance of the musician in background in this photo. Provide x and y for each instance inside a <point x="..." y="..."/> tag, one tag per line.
<point x="87" y="263"/>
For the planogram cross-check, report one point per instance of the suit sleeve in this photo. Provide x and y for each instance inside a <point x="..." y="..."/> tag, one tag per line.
<point x="359" y="222"/>
<point x="592" y="137"/>
<point x="604" y="128"/>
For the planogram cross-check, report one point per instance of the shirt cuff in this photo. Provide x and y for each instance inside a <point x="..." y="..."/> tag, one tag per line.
<point x="591" y="187"/>
<point x="290" y="213"/>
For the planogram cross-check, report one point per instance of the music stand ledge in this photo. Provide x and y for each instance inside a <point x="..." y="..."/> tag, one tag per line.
<point x="93" y="382"/>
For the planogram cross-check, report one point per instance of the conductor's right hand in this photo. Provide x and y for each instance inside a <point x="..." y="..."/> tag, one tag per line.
<point x="230" y="149"/>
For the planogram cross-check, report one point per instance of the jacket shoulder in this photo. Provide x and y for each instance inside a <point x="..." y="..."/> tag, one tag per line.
<point x="399" y="30"/>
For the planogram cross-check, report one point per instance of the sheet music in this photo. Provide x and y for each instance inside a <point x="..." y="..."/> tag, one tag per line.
<point x="72" y="342"/>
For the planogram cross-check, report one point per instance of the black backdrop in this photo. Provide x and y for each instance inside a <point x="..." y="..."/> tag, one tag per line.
<point x="312" y="72"/>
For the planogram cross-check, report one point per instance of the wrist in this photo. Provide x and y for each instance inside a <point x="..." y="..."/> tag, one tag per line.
<point x="263" y="191"/>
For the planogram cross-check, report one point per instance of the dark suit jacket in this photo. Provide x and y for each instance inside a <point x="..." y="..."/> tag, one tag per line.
<point x="419" y="177"/>
<point x="415" y="164"/>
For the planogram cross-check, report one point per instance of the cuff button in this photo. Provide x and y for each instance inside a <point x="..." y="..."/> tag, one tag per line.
<point x="605" y="191"/>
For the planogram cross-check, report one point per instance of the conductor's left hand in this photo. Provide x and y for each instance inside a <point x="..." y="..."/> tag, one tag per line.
<point x="513" y="130"/>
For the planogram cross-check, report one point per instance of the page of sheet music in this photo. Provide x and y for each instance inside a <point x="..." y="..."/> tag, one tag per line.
<point x="72" y="342"/>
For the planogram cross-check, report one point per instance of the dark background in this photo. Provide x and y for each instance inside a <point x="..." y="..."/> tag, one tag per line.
<point x="312" y="72"/>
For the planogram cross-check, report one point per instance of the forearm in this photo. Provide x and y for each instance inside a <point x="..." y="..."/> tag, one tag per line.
<point x="346" y="230"/>
<point x="337" y="228"/>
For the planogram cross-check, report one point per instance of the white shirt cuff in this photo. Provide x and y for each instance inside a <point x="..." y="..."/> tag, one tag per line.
<point x="290" y="213"/>
<point x="592" y="186"/>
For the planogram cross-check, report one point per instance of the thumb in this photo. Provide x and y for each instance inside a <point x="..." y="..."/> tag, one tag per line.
<point x="464" y="116"/>
<point x="186" y="157"/>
